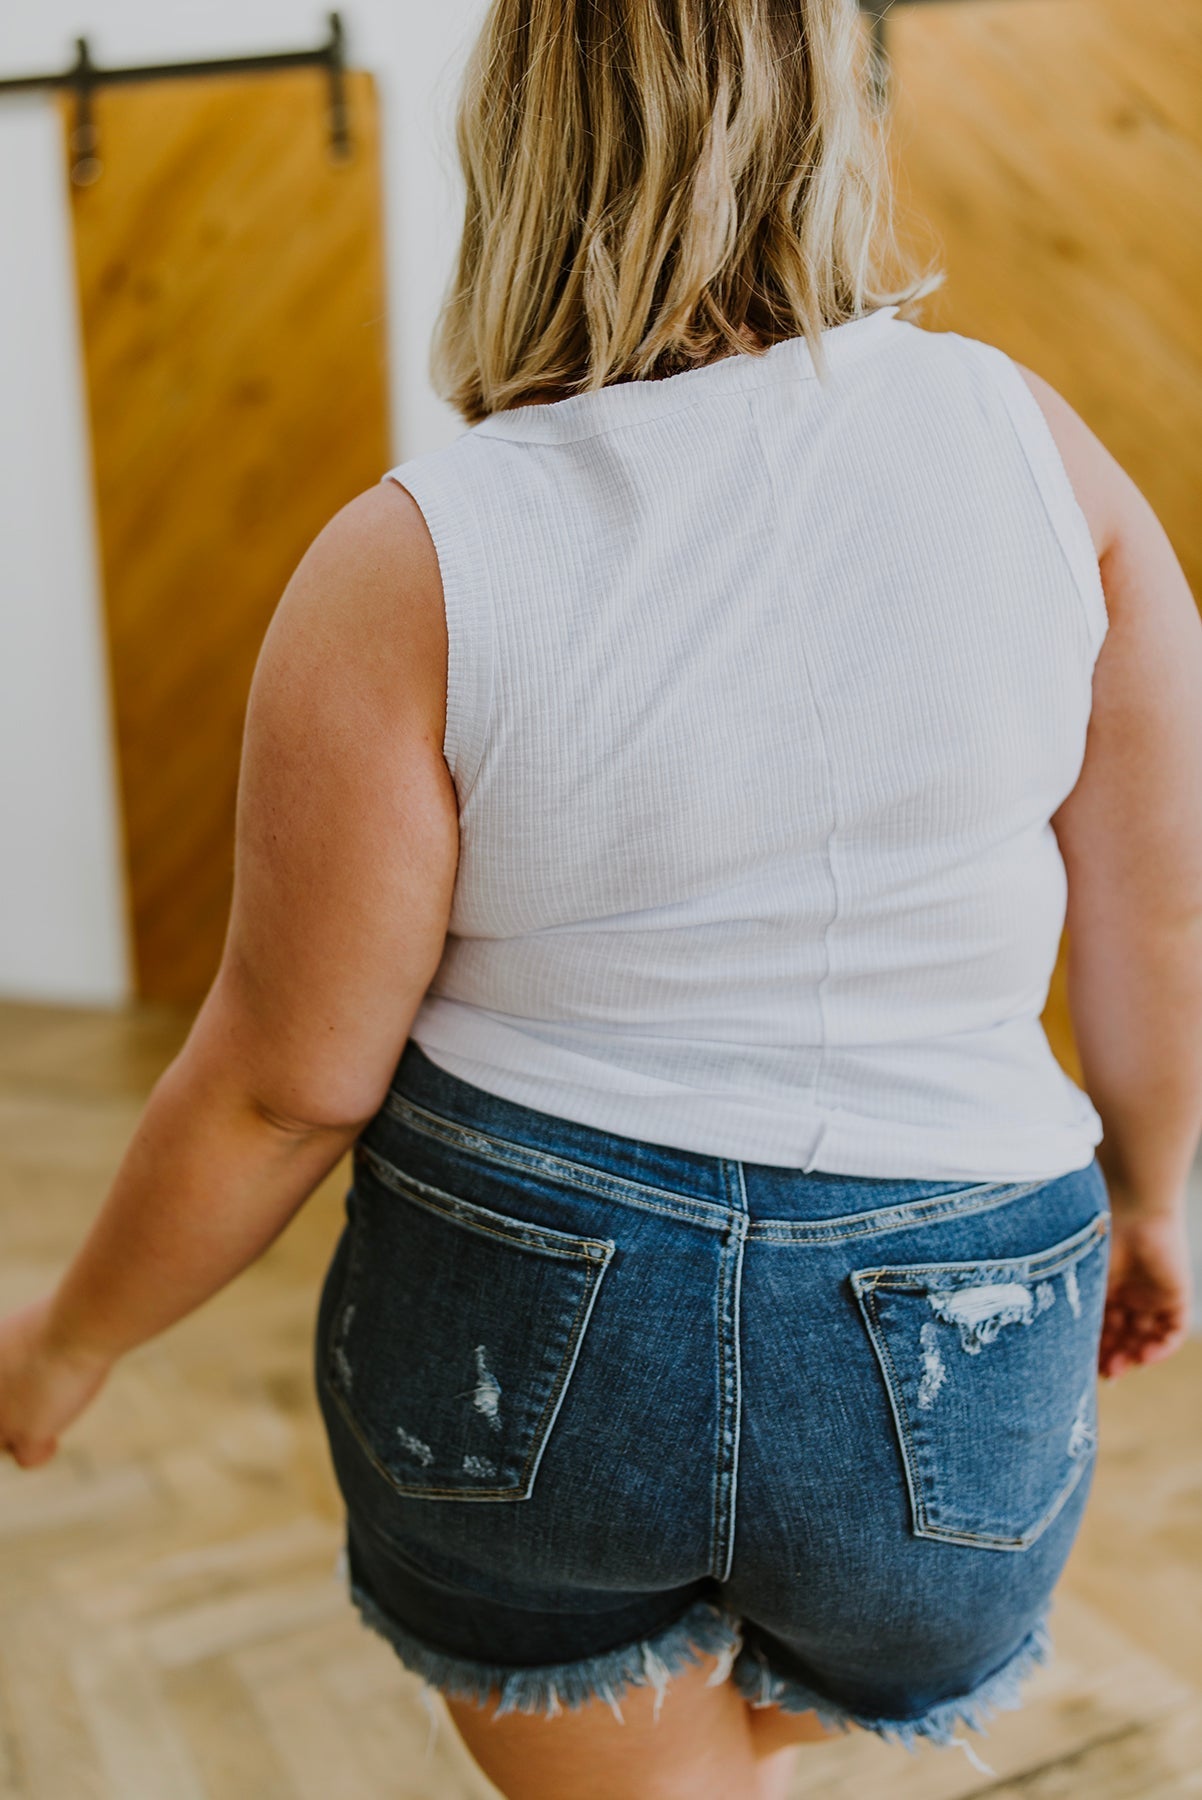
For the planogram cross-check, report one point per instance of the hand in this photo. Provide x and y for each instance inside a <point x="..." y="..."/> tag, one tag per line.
<point x="1149" y="1291"/>
<point x="43" y="1384"/>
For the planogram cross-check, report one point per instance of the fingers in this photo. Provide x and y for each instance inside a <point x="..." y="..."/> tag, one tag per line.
<point x="1157" y="1349"/>
<point x="1131" y="1338"/>
<point x="30" y="1456"/>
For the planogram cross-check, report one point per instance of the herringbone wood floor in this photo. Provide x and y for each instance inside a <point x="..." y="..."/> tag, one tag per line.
<point x="170" y="1623"/>
<point x="171" y="1627"/>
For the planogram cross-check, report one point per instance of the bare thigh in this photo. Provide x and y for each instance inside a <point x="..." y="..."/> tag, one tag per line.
<point x="700" y="1748"/>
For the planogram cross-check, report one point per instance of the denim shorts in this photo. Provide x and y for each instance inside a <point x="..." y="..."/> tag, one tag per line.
<point x="597" y="1406"/>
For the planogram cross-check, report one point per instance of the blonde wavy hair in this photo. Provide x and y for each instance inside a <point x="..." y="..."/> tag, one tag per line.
<point x="652" y="184"/>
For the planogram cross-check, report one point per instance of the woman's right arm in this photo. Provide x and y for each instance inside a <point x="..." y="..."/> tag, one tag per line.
<point x="1130" y="834"/>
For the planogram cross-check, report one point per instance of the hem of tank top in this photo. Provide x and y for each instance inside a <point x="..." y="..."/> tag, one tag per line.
<point x="834" y="1122"/>
<point x="657" y="399"/>
<point x="666" y="1088"/>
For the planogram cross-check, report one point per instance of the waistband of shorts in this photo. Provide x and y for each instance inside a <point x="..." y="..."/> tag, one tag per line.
<point x="703" y="1189"/>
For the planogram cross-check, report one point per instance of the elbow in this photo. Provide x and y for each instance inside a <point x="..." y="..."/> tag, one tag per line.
<point x="314" y="1122"/>
<point x="341" y="1106"/>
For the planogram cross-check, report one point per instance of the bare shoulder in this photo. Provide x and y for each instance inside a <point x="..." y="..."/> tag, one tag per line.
<point x="1131" y="829"/>
<point x="1105" y="492"/>
<point x="365" y="604"/>
<point x="346" y="841"/>
<point x="1144" y="583"/>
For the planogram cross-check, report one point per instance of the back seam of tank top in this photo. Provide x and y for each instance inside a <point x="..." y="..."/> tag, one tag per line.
<point x="832" y="808"/>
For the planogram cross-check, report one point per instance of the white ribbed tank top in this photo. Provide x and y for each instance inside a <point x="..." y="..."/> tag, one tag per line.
<point x="761" y="692"/>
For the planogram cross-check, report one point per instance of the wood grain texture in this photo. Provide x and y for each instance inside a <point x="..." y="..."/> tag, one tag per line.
<point x="172" y="1625"/>
<point x="231" y="285"/>
<point x="1049" y="154"/>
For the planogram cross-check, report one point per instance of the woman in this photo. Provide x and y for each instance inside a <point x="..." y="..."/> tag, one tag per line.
<point x="651" y="852"/>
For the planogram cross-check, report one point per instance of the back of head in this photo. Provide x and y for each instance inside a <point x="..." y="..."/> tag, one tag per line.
<point x="655" y="183"/>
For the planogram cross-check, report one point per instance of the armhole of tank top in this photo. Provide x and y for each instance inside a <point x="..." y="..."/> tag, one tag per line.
<point x="470" y="650"/>
<point x="1056" y="490"/>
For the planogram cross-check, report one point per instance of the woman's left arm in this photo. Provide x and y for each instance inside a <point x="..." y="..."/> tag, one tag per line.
<point x="346" y="850"/>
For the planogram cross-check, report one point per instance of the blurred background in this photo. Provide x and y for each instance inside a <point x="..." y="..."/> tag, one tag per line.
<point x="219" y="290"/>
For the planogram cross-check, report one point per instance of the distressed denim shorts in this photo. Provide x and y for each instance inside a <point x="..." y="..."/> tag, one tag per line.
<point x="596" y="1406"/>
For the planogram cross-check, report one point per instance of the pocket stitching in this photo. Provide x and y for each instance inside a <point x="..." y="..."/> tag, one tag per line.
<point x="893" y="1390"/>
<point x="909" y="1215"/>
<point x="983" y="1539"/>
<point x="506" y="1153"/>
<point x="523" y="1487"/>
<point x="472" y="1216"/>
<point x="1071" y="1251"/>
<point x="908" y="1277"/>
<point x="922" y="1523"/>
<point x="567" y="1368"/>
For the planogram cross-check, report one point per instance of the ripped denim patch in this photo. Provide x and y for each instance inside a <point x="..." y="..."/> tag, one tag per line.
<point x="990" y="1373"/>
<point x="454" y="1400"/>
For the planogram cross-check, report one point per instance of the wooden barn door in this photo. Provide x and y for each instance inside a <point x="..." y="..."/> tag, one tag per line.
<point x="232" y="291"/>
<point x="1053" y="152"/>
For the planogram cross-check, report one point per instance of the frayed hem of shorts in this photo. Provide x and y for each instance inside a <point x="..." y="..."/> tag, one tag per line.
<point x="553" y="1688"/>
<point x="999" y="1692"/>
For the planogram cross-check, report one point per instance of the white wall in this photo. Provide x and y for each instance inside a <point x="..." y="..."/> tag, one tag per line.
<point x="63" y="923"/>
<point x="62" y="912"/>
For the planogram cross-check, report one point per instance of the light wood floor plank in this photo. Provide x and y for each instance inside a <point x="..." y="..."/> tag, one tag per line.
<point x="137" y="1741"/>
<point x="172" y="1623"/>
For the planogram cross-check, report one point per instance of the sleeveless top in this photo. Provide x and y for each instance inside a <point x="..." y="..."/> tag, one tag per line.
<point x="761" y="691"/>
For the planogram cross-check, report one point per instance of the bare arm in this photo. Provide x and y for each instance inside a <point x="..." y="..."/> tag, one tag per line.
<point x="1131" y="837"/>
<point x="345" y="859"/>
<point x="1130" y="834"/>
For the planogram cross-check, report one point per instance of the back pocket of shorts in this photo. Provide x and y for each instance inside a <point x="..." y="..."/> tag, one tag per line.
<point x="991" y="1372"/>
<point x="455" y="1335"/>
